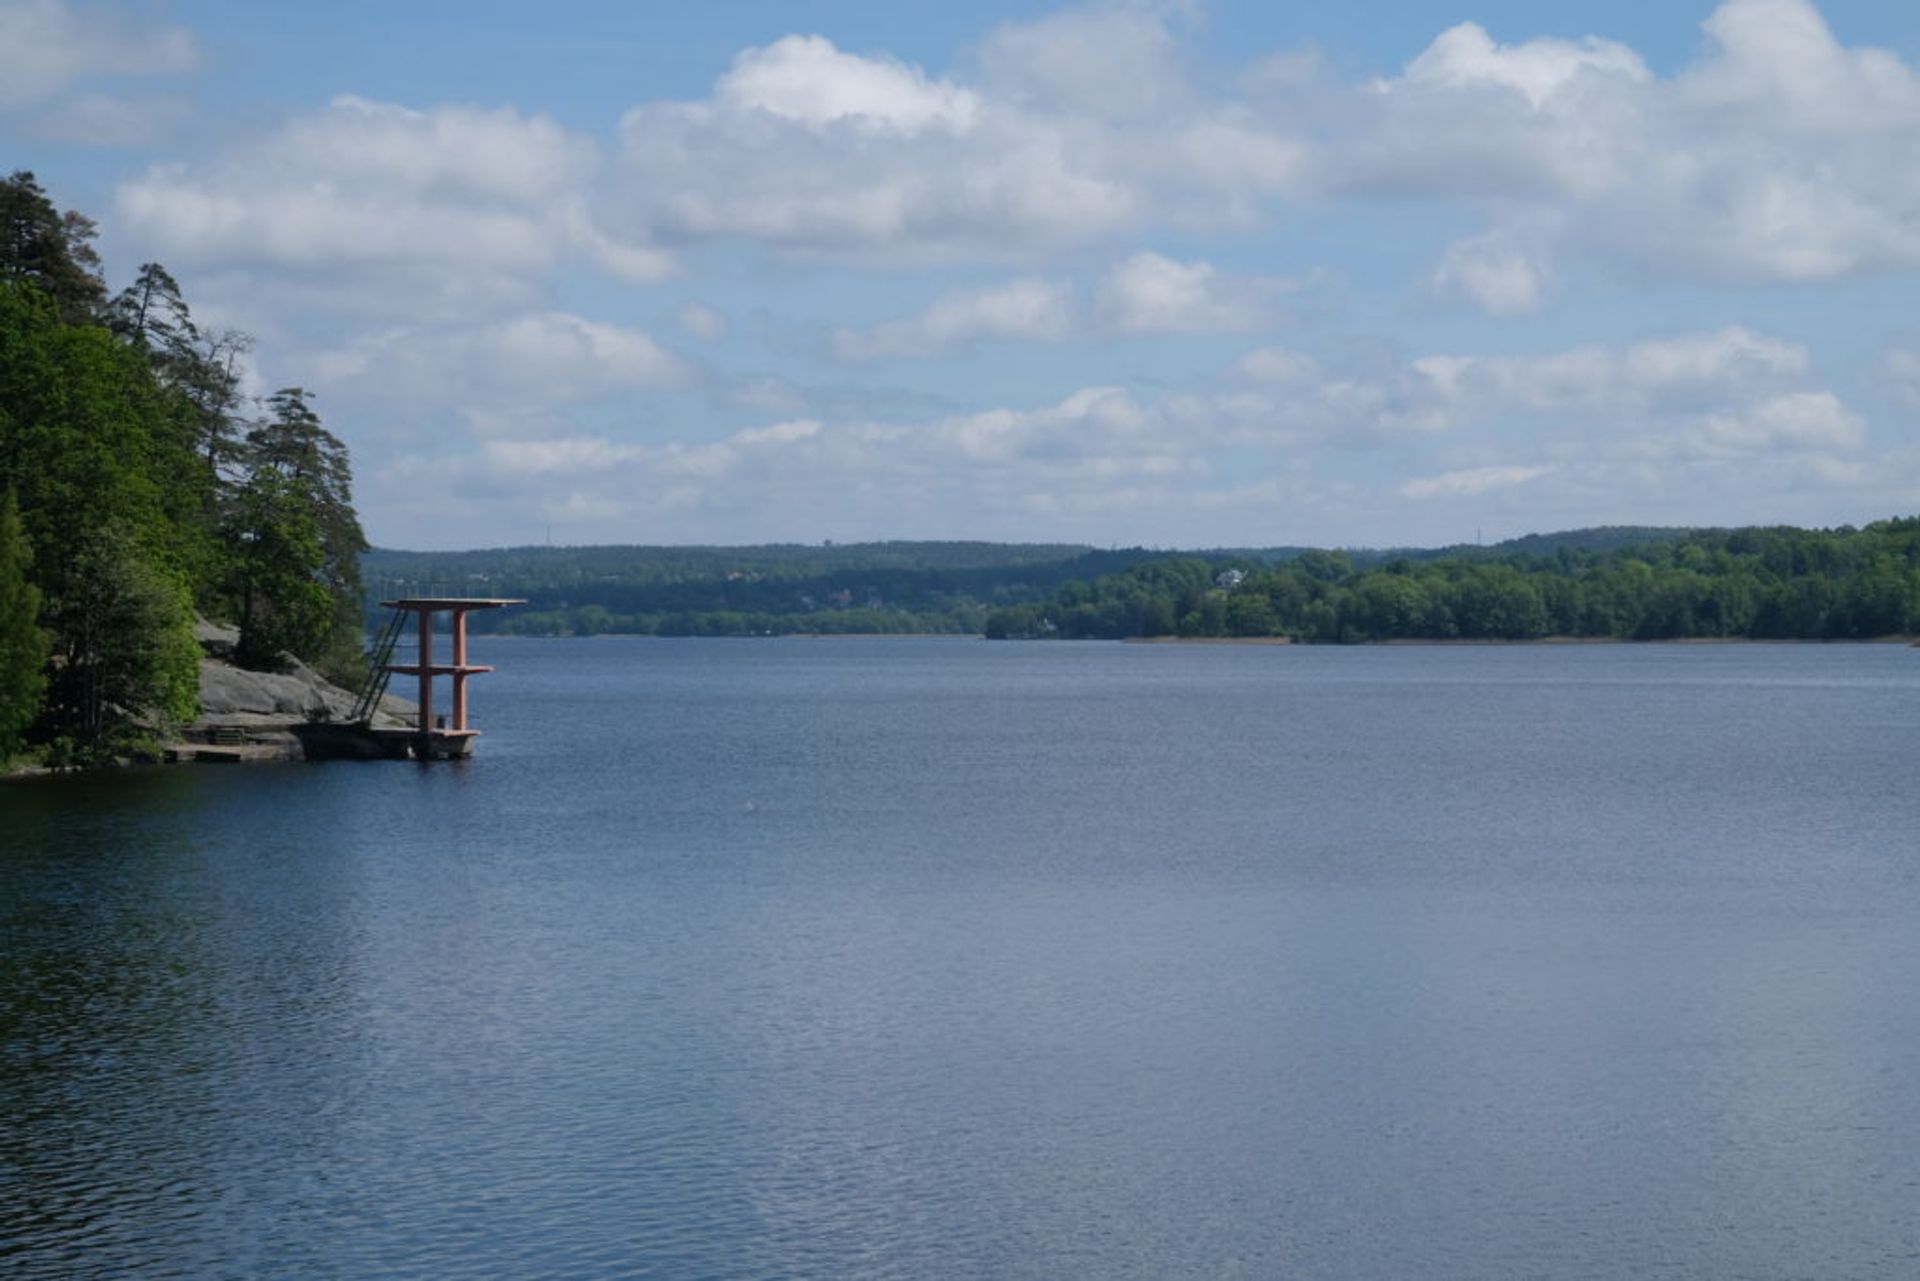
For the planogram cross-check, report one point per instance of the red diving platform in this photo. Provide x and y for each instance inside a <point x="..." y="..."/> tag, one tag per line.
<point x="437" y="736"/>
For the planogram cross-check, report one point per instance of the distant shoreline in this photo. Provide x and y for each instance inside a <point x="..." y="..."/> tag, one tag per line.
<point x="1396" y="642"/>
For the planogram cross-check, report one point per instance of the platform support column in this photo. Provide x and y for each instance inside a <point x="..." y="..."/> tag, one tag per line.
<point x="459" y="669"/>
<point x="426" y="670"/>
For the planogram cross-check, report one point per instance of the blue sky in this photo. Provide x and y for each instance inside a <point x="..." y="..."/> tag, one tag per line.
<point x="1178" y="274"/>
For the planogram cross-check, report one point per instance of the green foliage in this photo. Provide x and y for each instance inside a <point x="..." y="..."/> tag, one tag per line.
<point x="125" y="657"/>
<point x="1758" y="583"/>
<point x="1842" y="584"/>
<point x="24" y="646"/>
<point x="137" y="490"/>
<point x="274" y="572"/>
<point x="295" y="540"/>
<point x="730" y="591"/>
<point x="49" y="250"/>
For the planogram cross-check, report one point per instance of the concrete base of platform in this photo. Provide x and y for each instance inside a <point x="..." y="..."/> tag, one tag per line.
<point x="332" y="741"/>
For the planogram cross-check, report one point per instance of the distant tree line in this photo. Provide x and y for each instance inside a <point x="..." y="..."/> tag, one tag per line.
<point x="1625" y="582"/>
<point x="1761" y="583"/>
<point x="138" y="485"/>
<point x="744" y="591"/>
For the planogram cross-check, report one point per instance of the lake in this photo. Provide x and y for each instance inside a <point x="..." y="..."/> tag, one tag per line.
<point x="948" y="958"/>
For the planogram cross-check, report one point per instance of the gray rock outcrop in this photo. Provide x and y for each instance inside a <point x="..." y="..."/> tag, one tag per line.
<point x="232" y="696"/>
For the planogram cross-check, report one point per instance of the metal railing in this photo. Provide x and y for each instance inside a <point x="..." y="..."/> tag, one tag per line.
<point x="379" y="656"/>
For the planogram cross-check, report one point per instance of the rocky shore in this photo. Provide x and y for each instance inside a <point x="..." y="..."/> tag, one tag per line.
<point x="257" y="711"/>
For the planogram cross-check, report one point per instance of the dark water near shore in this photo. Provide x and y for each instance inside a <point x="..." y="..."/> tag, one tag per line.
<point x="946" y="958"/>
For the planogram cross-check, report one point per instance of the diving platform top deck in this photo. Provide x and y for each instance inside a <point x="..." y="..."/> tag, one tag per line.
<point x="450" y="602"/>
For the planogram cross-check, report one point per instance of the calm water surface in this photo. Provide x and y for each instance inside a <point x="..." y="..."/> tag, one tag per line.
<point x="883" y="958"/>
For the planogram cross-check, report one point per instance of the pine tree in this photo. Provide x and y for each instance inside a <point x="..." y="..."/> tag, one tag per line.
<point x="52" y="250"/>
<point x="299" y="485"/>
<point x="151" y="314"/>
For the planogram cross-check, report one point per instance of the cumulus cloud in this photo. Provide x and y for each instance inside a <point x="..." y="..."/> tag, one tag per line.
<point x="1779" y="156"/>
<point x="532" y="359"/>
<point x="1150" y="293"/>
<point x="1721" y="425"/>
<point x="1467" y="58"/>
<point x="1470" y="481"/>
<point x="1680" y="373"/>
<point x="1101" y="61"/>
<point x="1044" y="159"/>
<point x="1147" y="293"/>
<point x="807" y="148"/>
<point x="805" y="79"/>
<point x="1801" y="422"/>
<point x="414" y="207"/>
<point x="1492" y="272"/>
<point x="1084" y="453"/>
<point x="52" y="46"/>
<point x="1028" y="310"/>
<point x="1707" y="394"/>
<point x="1277" y="365"/>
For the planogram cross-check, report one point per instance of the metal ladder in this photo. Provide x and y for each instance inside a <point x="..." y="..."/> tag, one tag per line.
<point x="377" y="674"/>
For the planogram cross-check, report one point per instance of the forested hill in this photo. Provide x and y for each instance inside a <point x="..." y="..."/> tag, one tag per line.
<point x="1762" y="583"/>
<point x="928" y="587"/>
<point x="138" y="486"/>
<point x="1627" y="581"/>
<point x="1600" y="538"/>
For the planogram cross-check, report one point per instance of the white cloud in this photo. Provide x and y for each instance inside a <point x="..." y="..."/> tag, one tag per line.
<point x="1277" y="365"/>
<point x="433" y="257"/>
<point x="1144" y="294"/>
<point x="1493" y="273"/>
<point x="412" y="208"/>
<point x="1679" y="372"/>
<point x="1027" y="310"/>
<point x="541" y="358"/>
<point x="709" y="324"/>
<point x="1722" y="425"/>
<point x="1802" y="422"/>
<point x="1539" y="71"/>
<point x="1471" y="481"/>
<point x="1100" y="61"/>
<point x="1150" y="293"/>
<point x="52" y="46"/>
<point x="806" y="148"/>
<point x="1779" y="156"/>
<point x="806" y="80"/>
<point x="1082" y="453"/>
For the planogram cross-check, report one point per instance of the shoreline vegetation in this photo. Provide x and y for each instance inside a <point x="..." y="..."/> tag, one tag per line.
<point x="1405" y="642"/>
<point x="141" y="493"/>
<point x="1771" y="583"/>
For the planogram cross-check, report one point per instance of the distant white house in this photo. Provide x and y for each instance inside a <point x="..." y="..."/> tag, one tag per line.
<point x="1230" y="579"/>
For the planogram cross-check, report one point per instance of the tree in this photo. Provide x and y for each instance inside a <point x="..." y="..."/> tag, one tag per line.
<point x="276" y="564"/>
<point x="151" y="314"/>
<point x="49" y="249"/>
<point x="23" y="645"/>
<point x="211" y="382"/>
<point x="1388" y="605"/>
<point x="297" y="542"/>
<point x="126" y="659"/>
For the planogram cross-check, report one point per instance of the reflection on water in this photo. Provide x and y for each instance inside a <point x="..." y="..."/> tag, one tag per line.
<point x="892" y="958"/>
